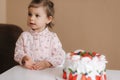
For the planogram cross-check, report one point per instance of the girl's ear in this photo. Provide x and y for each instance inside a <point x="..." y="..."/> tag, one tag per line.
<point x="50" y="18"/>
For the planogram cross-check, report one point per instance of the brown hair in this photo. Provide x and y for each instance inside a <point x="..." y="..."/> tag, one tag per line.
<point x="49" y="5"/>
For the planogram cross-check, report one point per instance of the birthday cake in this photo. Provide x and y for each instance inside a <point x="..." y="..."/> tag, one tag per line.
<point x="83" y="65"/>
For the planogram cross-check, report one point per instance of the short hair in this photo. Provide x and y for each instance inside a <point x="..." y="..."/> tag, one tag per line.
<point x="49" y="5"/>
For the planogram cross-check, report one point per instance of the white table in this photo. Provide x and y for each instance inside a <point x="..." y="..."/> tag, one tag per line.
<point x="20" y="73"/>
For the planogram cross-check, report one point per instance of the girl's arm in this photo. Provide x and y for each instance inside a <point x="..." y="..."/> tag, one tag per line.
<point x="58" y="54"/>
<point x="19" y="50"/>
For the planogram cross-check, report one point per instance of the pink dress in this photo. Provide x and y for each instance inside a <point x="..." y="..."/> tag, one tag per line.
<point x="40" y="46"/>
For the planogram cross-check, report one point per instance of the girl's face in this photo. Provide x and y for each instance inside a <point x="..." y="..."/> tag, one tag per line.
<point x="37" y="18"/>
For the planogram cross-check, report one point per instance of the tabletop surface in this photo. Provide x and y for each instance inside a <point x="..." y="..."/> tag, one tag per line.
<point x="20" y="73"/>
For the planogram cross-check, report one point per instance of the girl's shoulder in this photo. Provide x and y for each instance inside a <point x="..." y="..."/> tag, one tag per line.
<point x="25" y="33"/>
<point x="52" y="34"/>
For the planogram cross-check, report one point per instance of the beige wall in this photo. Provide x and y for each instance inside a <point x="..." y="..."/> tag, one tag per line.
<point x="2" y="11"/>
<point x="17" y="12"/>
<point x="92" y="25"/>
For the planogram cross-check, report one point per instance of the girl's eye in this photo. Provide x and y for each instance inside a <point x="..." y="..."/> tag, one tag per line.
<point x="37" y="15"/>
<point x="29" y="14"/>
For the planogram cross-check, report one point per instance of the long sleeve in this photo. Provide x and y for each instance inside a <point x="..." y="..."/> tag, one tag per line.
<point x="19" y="50"/>
<point x="40" y="46"/>
<point x="58" y="54"/>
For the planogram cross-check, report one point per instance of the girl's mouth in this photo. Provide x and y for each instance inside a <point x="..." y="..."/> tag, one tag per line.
<point x="32" y="24"/>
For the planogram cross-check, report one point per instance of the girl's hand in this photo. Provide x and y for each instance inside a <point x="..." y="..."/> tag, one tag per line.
<point x="41" y="65"/>
<point x="27" y="62"/>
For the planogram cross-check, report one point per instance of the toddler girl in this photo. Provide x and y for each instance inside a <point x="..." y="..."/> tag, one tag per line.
<point x="39" y="48"/>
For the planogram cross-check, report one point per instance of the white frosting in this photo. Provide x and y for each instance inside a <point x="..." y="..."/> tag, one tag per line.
<point x="85" y="65"/>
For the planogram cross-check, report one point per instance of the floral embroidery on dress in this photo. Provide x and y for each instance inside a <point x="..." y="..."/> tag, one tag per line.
<point x="44" y="45"/>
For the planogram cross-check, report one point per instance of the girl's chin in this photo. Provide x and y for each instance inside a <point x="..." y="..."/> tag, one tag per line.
<point x="35" y="29"/>
<point x="32" y="27"/>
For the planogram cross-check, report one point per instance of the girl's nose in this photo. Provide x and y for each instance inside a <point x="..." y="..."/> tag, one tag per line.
<point x="32" y="18"/>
